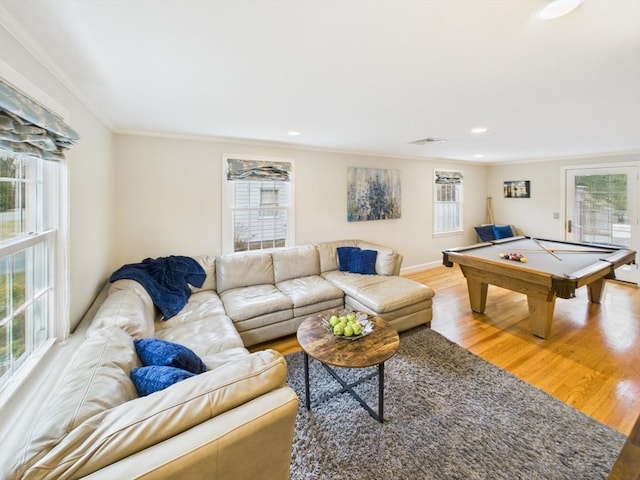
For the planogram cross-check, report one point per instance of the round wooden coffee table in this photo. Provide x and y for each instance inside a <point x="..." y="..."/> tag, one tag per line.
<point x="374" y="349"/>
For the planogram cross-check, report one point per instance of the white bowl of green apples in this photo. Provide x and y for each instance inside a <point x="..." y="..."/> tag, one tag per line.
<point x="348" y="324"/>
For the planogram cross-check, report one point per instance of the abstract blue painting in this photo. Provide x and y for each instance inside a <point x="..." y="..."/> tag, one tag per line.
<point x="372" y="194"/>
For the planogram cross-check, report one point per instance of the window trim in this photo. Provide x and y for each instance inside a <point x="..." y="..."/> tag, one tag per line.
<point x="226" y="191"/>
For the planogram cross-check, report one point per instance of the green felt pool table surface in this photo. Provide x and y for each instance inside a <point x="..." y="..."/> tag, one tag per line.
<point x="552" y="269"/>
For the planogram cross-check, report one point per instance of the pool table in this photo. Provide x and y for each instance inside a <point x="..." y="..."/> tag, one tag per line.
<point x="551" y="269"/>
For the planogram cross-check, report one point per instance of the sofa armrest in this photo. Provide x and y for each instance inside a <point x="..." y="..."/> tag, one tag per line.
<point x="253" y="440"/>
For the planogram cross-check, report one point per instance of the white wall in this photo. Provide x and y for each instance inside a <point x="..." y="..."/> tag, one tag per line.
<point x="168" y="199"/>
<point x="534" y="216"/>
<point x="91" y="177"/>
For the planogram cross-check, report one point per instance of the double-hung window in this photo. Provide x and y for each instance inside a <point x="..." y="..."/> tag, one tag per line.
<point x="27" y="258"/>
<point x="257" y="203"/>
<point x="447" y="202"/>
<point x="32" y="290"/>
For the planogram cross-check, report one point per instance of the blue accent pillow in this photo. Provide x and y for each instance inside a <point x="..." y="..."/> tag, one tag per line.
<point x="485" y="233"/>
<point x="344" y="257"/>
<point x="502" y="231"/>
<point x="153" y="351"/>
<point x="154" y="378"/>
<point x="364" y="261"/>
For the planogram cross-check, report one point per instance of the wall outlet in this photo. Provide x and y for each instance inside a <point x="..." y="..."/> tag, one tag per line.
<point x="556" y="215"/>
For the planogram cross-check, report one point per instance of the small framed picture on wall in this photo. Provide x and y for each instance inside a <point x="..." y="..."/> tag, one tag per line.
<point x="517" y="189"/>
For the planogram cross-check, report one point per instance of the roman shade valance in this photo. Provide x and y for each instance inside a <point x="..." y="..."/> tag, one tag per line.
<point x="27" y="127"/>
<point x="258" y="170"/>
<point x="450" y="178"/>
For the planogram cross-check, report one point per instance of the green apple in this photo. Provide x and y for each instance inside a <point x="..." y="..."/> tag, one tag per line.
<point x="357" y="328"/>
<point x="333" y="321"/>
<point x="339" y="329"/>
<point x="348" y="331"/>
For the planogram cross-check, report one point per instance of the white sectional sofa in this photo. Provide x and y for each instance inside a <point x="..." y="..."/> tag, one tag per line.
<point x="234" y="421"/>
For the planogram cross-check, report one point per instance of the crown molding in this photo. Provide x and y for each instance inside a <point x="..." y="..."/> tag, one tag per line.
<point x="13" y="27"/>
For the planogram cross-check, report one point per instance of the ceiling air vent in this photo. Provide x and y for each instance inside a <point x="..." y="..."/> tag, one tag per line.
<point x="424" y="141"/>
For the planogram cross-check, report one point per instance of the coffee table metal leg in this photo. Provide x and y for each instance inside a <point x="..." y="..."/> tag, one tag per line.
<point x="381" y="392"/>
<point x="307" y="400"/>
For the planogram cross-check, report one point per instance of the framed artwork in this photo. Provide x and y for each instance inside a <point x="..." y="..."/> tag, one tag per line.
<point x="372" y="194"/>
<point x="517" y="189"/>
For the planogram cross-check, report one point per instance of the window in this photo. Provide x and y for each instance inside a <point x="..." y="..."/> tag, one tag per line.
<point x="27" y="254"/>
<point x="257" y="210"/>
<point x="33" y="245"/>
<point x="447" y="192"/>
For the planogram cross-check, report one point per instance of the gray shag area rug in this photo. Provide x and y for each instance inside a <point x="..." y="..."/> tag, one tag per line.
<point x="449" y="414"/>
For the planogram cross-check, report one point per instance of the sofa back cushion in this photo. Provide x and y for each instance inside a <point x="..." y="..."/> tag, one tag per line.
<point x="327" y="251"/>
<point x="208" y="263"/>
<point x="387" y="259"/>
<point x="128" y="306"/>
<point x="124" y="430"/>
<point x="97" y="379"/>
<point x="295" y="262"/>
<point x="243" y="270"/>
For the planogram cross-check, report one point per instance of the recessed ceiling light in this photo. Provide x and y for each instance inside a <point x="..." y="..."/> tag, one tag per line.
<point x="479" y="130"/>
<point x="557" y="8"/>
<point x="479" y="155"/>
<point x="293" y="133"/>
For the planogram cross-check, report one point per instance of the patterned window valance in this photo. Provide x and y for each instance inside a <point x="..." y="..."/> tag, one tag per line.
<point x="258" y="170"/>
<point x="451" y="178"/>
<point x="26" y="127"/>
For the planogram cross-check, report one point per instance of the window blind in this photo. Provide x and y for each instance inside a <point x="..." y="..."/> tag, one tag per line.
<point x="27" y="127"/>
<point x="258" y="170"/>
<point x="448" y="178"/>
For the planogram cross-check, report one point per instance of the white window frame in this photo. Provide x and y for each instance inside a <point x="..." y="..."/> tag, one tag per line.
<point x="57" y="205"/>
<point x="437" y="220"/>
<point x="227" y="200"/>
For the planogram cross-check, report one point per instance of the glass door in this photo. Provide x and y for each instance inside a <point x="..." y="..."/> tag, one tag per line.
<point x="602" y="207"/>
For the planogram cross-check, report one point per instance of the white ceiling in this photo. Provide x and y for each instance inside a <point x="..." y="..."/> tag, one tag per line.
<point x="358" y="76"/>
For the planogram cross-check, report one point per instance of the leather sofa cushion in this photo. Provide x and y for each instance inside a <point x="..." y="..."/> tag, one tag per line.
<point x="208" y="263"/>
<point x="124" y="430"/>
<point x="328" y="253"/>
<point x="243" y="270"/>
<point x="205" y="336"/>
<point x="294" y="262"/>
<point x="309" y="290"/>
<point x="386" y="259"/>
<point x="243" y="303"/>
<point x="129" y="307"/>
<point x="381" y="293"/>
<point x="200" y="305"/>
<point x="97" y="379"/>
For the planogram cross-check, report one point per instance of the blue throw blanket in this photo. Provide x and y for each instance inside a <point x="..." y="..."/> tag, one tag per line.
<point x="166" y="279"/>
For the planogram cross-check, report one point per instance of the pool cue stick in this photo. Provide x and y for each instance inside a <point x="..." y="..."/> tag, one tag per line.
<point x="546" y="249"/>
<point x="490" y="209"/>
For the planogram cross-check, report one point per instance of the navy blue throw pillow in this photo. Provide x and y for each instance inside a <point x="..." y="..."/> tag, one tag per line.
<point x="502" y="231"/>
<point x="153" y="351"/>
<point x="485" y="233"/>
<point x="155" y="378"/>
<point x="344" y="257"/>
<point x="364" y="261"/>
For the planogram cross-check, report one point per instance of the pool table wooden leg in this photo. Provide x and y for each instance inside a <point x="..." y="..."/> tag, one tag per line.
<point x="477" y="294"/>
<point x="540" y="314"/>
<point x="595" y="290"/>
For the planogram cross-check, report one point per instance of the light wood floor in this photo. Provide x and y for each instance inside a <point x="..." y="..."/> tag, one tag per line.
<point x="590" y="361"/>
